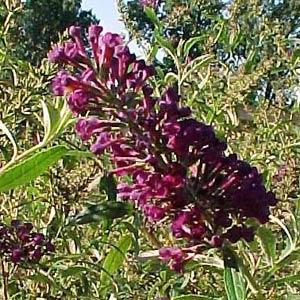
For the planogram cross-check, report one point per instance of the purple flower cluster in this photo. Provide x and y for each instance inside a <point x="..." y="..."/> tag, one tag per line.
<point x="149" y="3"/>
<point x="180" y="172"/>
<point x="19" y="244"/>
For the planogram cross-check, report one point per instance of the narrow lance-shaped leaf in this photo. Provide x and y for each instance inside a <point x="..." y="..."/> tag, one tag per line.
<point x="150" y="13"/>
<point x="115" y="258"/>
<point x="29" y="169"/>
<point x="194" y="297"/>
<point x="190" y="43"/>
<point x="233" y="278"/>
<point x="109" y="186"/>
<point x="268" y="242"/>
<point x="10" y="137"/>
<point x="234" y="284"/>
<point x="98" y="212"/>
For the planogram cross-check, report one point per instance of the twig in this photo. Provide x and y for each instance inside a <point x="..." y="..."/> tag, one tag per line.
<point x="5" y="281"/>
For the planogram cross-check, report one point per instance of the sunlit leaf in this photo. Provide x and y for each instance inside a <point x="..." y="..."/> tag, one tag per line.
<point x="115" y="258"/>
<point x="268" y="242"/>
<point x="234" y="284"/>
<point x="29" y="169"/>
<point x="109" y="186"/>
<point x="150" y="13"/>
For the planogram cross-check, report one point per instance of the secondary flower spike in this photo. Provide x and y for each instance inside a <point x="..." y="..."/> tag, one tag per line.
<point x="181" y="175"/>
<point x="19" y="244"/>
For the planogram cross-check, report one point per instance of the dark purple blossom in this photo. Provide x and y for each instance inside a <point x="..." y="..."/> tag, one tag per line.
<point x="86" y="127"/>
<point x="181" y="175"/>
<point x="19" y="244"/>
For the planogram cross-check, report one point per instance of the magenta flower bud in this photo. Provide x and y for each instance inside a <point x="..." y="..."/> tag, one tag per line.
<point x="15" y="223"/>
<point x="94" y="32"/>
<point x="23" y="231"/>
<point x="216" y="241"/>
<point x="57" y="55"/>
<point x="197" y="232"/>
<point x="87" y="127"/>
<point x="59" y="83"/>
<point x="234" y="234"/>
<point x="111" y="40"/>
<point x="88" y="76"/>
<point x="74" y="31"/>
<point x="155" y="213"/>
<point x="168" y="253"/>
<point x="78" y="101"/>
<point x="222" y="219"/>
<point x="177" y="266"/>
<point x="178" y="228"/>
<point x="248" y="234"/>
<point x="28" y="226"/>
<point x="173" y="255"/>
<point x="180" y="173"/>
<point x="71" y="51"/>
<point x="94" y="37"/>
<point x="16" y="255"/>
<point x="20" y="245"/>
<point x="271" y="199"/>
<point x="121" y="171"/>
<point x="102" y="143"/>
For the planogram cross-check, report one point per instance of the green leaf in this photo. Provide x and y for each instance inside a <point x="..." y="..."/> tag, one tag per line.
<point x="195" y="65"/>
<point x="292" y="297"/>
<point x="150" y="13"/>
<point x="10" y="137"/>
<point x="268" y="242"/>
<point x="194" y="297"/>
<point x="171" y="77"/>
<point x="29" y="169"/>
<point x="98" y="212"/>
<point x="288" y="279"/>
<point x="115" y="258"/>
<point x="250" y="62"/>
<point x="190" y="43"/>
<point x="230" y="258"/>
<point x="74" y="271"/>
<point x="296" y="55"/>
<point x="153" y="52"/>
<point x="234" y="284"/>
<point x="80" y="154"/>
<point x="109" y="186"/>
<point x="165" y="44"/>
<point x="42" y="278"/>
<point x="55" y="119"/>
<point x="51" y="118"/>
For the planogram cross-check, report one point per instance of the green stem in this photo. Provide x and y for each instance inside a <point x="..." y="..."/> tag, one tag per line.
<point x="5" y="281"/>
